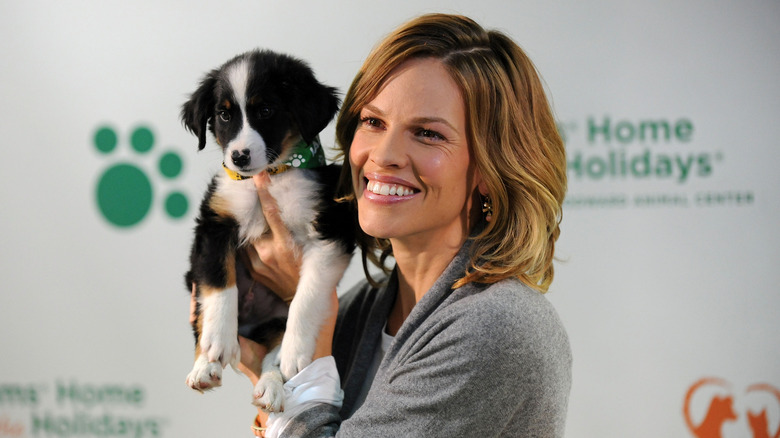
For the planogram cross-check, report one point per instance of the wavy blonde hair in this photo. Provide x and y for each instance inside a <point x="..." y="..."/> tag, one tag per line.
<point x="511" y="132"/>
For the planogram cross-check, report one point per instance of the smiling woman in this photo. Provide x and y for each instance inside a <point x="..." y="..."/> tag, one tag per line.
<point x="512" y="137"/>
<point x="455" y="165"/>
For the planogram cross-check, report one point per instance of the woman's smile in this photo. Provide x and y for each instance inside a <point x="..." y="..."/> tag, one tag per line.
<point x="379" y="188"/>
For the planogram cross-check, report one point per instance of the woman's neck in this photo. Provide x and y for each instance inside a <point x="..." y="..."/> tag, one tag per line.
<point x="418" y="267"/>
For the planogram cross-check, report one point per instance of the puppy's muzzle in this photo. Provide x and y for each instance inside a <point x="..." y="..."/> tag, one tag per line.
<point x="241" y="158"/>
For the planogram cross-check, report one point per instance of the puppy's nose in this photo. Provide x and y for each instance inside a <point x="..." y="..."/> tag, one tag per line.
<point x="240" y="158"/>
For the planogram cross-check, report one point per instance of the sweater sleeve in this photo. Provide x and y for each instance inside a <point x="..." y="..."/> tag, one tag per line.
<point x="317" y="384"/>
<point x="492" y="363"/>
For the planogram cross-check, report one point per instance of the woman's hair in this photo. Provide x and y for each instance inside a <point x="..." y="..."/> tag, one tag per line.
<point x="511" y="131"/>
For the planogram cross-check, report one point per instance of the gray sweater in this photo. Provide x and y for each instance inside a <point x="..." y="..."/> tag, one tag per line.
<point x="479" y="361"/>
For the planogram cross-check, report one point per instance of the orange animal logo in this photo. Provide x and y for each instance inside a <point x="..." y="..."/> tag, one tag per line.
<point x="721" y="409"/>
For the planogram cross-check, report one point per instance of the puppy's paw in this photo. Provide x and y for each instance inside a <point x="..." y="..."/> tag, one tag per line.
<point x="295" y="355"/>
<point x="269" y="392"/>
<point x="221" y="345"/>
<point x="205" y="375"/>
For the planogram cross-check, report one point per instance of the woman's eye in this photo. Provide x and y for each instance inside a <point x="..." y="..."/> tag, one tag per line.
<point x="224" y="115"/>
<point x="370" y="121"/>
<point x="430" y="135"/>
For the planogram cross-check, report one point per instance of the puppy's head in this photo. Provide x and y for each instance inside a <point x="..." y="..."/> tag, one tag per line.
<point x="257" y="105"/>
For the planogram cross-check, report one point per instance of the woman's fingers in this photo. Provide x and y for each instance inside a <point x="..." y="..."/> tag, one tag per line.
<point x="275" y="258"/>
<point x="270" y="206"/>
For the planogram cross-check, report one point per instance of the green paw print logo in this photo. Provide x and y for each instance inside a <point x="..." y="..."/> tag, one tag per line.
<point x="124" y="191"/>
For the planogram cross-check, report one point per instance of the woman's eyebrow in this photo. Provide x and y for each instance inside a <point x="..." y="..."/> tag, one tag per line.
<point x="424" y="120"/>
<point x="374" y="109"/>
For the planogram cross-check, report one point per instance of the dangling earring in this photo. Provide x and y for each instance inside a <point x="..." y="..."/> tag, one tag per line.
<point x="487" y="207"/>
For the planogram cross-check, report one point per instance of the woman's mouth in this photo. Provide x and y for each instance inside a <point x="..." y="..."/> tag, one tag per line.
<point x="386" y="189"/>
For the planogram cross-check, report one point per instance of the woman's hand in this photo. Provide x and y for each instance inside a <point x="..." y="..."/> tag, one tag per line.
<point x="275" y="259"/>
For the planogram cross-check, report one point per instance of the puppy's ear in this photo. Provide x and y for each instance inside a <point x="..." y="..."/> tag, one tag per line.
<point x="313" y="107"/>
<point x="197" y="113"/>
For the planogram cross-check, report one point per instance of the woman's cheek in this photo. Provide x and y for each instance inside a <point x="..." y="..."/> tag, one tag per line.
<point x="434" y="163"/>
<point x="356" y="167"/>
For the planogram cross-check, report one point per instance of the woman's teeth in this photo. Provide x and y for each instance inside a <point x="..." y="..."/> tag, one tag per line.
<point x="388" y="189"/>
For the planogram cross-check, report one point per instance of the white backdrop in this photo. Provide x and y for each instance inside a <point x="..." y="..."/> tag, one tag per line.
<point x="668" y="257"/>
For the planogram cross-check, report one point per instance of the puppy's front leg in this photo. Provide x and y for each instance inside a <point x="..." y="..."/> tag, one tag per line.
<point x="218" y="341"/>
<point x="269" y="390"/>
<point x="322" y="267"/>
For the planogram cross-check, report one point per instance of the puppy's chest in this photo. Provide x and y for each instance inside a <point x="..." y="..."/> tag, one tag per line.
<point x="295" y="194"/>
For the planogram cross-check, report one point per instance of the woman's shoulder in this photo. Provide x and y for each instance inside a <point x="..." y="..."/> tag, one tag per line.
<point x="509" y="298"/>
<point x="511" y="314"/>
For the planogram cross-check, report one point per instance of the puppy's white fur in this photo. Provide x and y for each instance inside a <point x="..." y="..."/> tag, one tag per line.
<point x="238" y="76"/>
<point x="323" y="265"/>
<point x="297" y="209"/>
<point x="248" y="138"/>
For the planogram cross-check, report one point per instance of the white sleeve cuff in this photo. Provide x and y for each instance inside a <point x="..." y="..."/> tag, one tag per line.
<point x="317" y="383"/>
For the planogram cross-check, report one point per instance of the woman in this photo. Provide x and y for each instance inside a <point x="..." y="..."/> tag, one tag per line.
<point x="454" y="161"/>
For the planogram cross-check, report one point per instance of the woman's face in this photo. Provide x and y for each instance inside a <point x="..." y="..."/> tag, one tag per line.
<point x="411" y="166"/>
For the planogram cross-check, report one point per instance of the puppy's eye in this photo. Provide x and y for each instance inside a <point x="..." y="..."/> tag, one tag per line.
<point x="266" y="112"/>
<point x="224" y="115"/>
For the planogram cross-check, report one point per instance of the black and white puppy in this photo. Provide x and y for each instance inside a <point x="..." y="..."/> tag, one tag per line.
<point x="259" y="106"/>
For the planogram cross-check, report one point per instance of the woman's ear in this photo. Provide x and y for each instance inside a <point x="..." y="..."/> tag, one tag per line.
<point x="478" y="182"/>
<point x="482" y="185"/>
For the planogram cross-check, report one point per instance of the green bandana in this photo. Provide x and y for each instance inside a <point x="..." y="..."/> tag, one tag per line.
<point x="302" y="156"/>
<point x="307" y="156"/>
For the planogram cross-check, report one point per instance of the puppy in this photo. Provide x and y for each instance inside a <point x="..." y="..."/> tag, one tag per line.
<point x="265" y="110"/>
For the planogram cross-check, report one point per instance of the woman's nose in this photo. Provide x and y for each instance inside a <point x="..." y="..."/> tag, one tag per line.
<point x="389" y="150"/>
